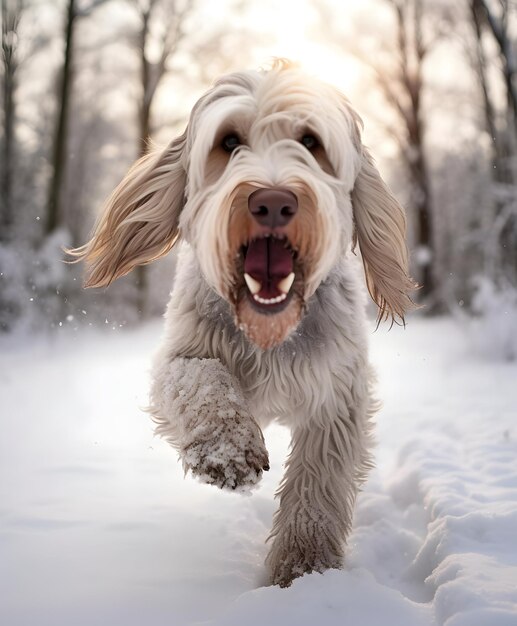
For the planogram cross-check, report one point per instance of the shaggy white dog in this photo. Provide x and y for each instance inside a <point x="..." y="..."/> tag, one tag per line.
<point x="270" y="189"/>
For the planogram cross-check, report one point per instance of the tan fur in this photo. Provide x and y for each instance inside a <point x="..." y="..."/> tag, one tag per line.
<point x="380" y="231"/>
<point x="139" y="222"/>
<point x="216" y="164"/>
<point x="267" y="331"/>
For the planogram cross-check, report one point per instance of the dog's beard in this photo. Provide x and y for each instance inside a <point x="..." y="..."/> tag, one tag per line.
<point x="267" y="330"/>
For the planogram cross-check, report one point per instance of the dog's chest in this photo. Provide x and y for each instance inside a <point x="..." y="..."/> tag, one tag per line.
<point x="290" y="383"/>
<point x="278" y="385"/>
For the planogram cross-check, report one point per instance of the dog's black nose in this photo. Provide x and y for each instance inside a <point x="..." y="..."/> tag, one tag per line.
<point x="273" y="207"/>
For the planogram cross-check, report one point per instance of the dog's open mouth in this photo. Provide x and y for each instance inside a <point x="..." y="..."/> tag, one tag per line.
<point x="268" y="293"/>
<point x="269" y="272"/>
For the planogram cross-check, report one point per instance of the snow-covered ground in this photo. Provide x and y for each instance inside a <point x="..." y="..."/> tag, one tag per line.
<point x="99" y="527"/>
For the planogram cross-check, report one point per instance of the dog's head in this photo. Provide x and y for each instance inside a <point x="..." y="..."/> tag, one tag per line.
<point x="271" y="185"/>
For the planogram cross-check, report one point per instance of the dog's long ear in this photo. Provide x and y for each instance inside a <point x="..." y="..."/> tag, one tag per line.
<point x="139" y="222"/>
<point x="380" y="230"/>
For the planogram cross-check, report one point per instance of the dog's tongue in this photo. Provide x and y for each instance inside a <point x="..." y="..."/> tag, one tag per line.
<point x="268" y="260"/>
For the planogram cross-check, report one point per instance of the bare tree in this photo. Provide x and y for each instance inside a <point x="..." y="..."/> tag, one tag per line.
<point x="402" y="84"/>
<point x="10" y="14"/>
<point x="482" y="70"/>
<point x="492" y="19"/>
<point x="162" y="27"/>
<point x="58" y="158"/>
<point x="495" y="17"/>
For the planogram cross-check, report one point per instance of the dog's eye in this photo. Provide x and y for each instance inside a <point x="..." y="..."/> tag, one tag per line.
<point x="309" y="141"/>
<point x="230" y="142"/>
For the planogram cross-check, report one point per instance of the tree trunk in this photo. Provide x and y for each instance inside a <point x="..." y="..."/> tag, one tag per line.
<point x="10" y="17"/>
<point x="422" y="200"/>
<point x="499" y="30"/>
<point x="422" y="205"/>
<point x="412" y="54"/>
<point x="144" y="130"/>
<point x="481" y="68"/>
<point x="504" y="143"/>
<point x="54" y="209"/>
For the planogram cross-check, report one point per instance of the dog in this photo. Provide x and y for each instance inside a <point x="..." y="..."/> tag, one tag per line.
<point x="270" y="191"/>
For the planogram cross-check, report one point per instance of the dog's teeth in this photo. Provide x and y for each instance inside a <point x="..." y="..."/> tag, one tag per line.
<point x="253" y="285"/>
<point x="276" y="300"/>
<point x="286" y="283"/>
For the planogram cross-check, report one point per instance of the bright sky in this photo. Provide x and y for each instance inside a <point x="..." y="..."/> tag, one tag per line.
<point x="295" y="27"/>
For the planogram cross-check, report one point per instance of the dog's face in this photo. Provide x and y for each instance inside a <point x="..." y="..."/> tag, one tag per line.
<point x="272" y="159"/>
<point x="270" y="185"/>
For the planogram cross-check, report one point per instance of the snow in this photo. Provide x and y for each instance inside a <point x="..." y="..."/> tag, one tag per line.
<point x="99" y="527"/>
<point x="494" y="324"/>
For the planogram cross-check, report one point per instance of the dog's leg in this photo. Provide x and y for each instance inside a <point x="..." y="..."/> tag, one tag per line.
<point x="328" y="461"/>
<point x="200" y="410"/>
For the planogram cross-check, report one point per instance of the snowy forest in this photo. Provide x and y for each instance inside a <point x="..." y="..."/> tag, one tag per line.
<point x="87" y="85"/>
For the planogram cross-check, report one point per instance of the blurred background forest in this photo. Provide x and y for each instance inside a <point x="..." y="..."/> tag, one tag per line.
<point x="87" y="84"/>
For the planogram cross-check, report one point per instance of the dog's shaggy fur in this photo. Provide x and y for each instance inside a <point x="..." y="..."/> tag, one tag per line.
<point x="230" y="363"/>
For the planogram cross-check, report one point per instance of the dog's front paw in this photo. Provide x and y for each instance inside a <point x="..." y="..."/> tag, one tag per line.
<point x="229" y="453"/>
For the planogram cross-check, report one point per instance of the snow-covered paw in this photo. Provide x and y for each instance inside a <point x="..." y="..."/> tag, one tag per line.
<point x="229" y="453"/>
<point x="292" y="555"/>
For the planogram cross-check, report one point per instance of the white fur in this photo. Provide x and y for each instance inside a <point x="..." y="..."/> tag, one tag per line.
<point x="216" y="380"/>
